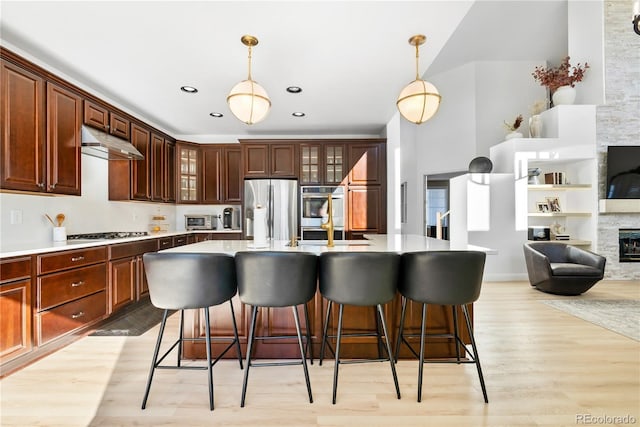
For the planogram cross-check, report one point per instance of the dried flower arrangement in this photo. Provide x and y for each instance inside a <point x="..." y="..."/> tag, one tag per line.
<point x="516" y="124"/>
<point x="538" y="107"/>
<point x="553" y="78"/>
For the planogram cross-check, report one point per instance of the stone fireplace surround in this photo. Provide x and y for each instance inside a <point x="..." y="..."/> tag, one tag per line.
<point x="617" y="123"/>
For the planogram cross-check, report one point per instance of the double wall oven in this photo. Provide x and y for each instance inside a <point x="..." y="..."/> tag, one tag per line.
<point x="313" y="211"/>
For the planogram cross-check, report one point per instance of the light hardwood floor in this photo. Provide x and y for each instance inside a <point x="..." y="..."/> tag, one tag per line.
<point x="543" y="367"/>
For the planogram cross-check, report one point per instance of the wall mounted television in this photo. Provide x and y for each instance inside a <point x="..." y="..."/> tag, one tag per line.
<point x="623" y="172"/>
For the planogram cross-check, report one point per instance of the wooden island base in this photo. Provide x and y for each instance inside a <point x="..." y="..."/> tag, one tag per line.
<point x="279" y="321"/>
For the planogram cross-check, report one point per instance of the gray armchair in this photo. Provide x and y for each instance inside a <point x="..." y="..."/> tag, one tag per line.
<point x="558" y="268"/>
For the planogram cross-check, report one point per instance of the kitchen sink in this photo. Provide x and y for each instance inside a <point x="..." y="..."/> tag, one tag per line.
<point x="335" y="242"/>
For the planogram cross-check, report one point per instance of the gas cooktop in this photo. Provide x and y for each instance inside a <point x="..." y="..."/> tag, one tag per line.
<point x="107" y="235"/>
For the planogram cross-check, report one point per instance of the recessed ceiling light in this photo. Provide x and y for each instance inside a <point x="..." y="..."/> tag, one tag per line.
<point x="216" y="115"/>
<point x="188" y="89"/>
<point x="298" y="114"/>
<point x="294" y="89"/>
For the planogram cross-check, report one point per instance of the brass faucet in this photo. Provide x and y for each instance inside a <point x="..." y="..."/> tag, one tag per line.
<point x="329" y="224"/>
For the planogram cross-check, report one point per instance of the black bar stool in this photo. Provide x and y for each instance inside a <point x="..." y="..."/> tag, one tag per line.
<point x="362" y="279"/>
<point x="442" y="278"/>
<point x="277" y="279"/>
<point x="179" y="281"/>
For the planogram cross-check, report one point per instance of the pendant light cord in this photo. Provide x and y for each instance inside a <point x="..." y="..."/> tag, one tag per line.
<point x="417" y="57"/>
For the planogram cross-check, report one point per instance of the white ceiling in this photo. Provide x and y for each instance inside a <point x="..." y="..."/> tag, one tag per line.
<point x="351" y="58"/>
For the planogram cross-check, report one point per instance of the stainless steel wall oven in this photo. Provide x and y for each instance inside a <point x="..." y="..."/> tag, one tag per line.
<point x="313" y="211"/>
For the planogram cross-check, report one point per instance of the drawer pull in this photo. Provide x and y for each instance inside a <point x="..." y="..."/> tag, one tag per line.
<point x="78" y="314"/>
<point x="77" y="258"/>
<point x="76" y="284"/>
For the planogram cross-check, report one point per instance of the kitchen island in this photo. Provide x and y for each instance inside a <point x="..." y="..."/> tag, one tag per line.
<point x="279" y="321"/>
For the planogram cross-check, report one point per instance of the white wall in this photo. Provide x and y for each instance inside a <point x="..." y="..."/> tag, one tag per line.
<point x="502" y="91"/>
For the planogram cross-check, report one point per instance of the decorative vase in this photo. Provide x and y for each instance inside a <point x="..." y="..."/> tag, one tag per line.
<point x="535" y="126"/>
<point x="564" y="95"/>
<point x="512" y="135"/>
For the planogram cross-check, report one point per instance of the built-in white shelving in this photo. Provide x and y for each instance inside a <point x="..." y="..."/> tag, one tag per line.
<point x="568" y="146"/>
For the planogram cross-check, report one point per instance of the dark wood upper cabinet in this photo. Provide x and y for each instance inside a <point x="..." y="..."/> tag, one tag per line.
<point x="188" y="170"/>
<point x="157" y="167"/>
<point x="366" y="163"/>
<point x="96" y="116"/>
<point x="100" y="117"/>
<point x="335" y="163"/>
<point x="211" y="174"/>
<point x="23" y="129"/>
<point x="266" y="160"/>
<point x="284" y="160"/>
<point x="64" y="119"/>
<point x="232" y="175"/>
<point x="311" y="164"/>
<point x="40" y="134"/>
<point x="119" y="126"/>
<point x="140" y="183"/>
<point x="255" y="160"/>
<point x="170" y="171"/>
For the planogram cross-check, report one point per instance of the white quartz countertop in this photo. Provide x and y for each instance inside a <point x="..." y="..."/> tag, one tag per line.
<point x="375" y="243"/>
<point x="12" y="249"/>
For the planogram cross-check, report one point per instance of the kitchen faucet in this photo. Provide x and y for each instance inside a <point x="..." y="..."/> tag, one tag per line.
<point x="329" y="224"/>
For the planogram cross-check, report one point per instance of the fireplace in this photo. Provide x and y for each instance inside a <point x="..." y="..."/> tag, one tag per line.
<point x="629" y="244"/>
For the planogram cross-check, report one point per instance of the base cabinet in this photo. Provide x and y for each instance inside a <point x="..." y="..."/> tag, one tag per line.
<point x="127" y="281"/>
<point x="70" y="291"/>
<point x="356" y="320"/>
<point x="15" y="308"/>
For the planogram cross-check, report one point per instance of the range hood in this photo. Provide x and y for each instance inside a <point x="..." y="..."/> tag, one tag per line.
<point x="100" y="144"/>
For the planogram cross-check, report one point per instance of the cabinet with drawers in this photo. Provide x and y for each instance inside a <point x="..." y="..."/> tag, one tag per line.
<point x="70" y="291"/>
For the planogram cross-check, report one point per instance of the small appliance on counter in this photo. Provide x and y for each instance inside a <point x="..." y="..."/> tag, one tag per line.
<point x="231" y="218"/>
<point x="199" y="222"/>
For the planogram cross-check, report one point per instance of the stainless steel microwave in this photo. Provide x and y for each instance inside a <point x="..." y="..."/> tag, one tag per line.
<point x="200" y="222"/>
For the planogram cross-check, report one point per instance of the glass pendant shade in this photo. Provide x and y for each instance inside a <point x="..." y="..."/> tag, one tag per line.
<point x="249" y="102"/>
<point x="418" y="101"/>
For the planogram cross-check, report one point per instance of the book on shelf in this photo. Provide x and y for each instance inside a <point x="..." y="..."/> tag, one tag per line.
<point x="562" y="236"/>
<point x="555" y="178"/>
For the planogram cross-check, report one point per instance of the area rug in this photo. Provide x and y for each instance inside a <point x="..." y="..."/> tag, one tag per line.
<point x="620" y="316"/>
<point x="132" y="322"/>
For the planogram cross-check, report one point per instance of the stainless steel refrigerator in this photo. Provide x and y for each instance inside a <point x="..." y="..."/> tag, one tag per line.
<point x="280" y="198"/>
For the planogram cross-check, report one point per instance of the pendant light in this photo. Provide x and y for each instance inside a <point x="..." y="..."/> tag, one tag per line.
<point x="248" y="100"/>
<point x="419" y="100"/>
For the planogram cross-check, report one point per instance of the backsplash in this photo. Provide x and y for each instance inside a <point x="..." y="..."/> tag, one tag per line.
<point x="89" y="213"/>
<point x="92" y="212"/>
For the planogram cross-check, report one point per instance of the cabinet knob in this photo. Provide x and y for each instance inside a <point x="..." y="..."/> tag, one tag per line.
<point x="52" y="186"/>
<point x="78" y="314"/>
<point x="77" y="258"/>
<point x="76" y="284"/>
<point x="41" y="184"/>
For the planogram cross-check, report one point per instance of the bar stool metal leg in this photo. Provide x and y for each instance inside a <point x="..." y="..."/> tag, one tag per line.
<point x="324" y="332"/>
<point x="389" y="353"/>
<point x="335" y="368"/>
<point x="422" y="337"/>
<point x="181" y="337"/>
<point x="154" y="361"/>
<point x="302" y="352"/>
<point x="456" y="332"/>
<point x="309" y="346"/>
<point x="401" y="328"/>
<point x="235" y="334"/>
<point x="207" y="337"/>
<point x="475" y="352"/>
<point x="252" y="330"/>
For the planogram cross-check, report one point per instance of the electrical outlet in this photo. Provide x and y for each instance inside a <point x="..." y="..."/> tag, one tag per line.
<point x="16" y="217"/>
